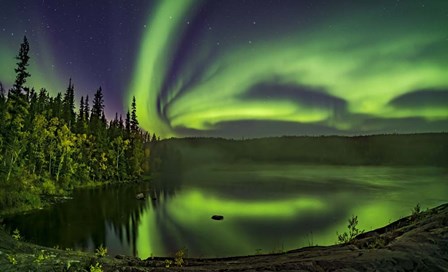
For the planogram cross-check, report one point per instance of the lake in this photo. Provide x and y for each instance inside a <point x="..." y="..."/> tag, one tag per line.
<point x="266" y="208"/>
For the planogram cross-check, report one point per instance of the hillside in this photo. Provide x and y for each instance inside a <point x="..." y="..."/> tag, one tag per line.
<point x="401" y="150"/>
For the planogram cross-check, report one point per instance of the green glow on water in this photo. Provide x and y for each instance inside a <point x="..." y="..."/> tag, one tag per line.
<point x="265" y="206"/>
<point x="195" y="204"/>
<point x="376" y="197"/>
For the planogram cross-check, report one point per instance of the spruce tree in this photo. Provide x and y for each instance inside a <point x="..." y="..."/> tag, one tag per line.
<point x="2" y="101"/>
<point x="2" y="114"/>
<point x="81" y="109"/>
<point x="103" y="119"/>
<point x="33" y="108"/>
<point x="87" y="110"/>
<point x="21" y="70"/>
<point x="18" y="104"/>
<point x="43" y="102"/>
<point x="17" y="108"/>
<point x="121" y="124"/>
<point x="2" y="92"/>
<point x="80" y="122"/>
<point x="134" y="121"/>
<point x="69" y="105"/>
<point x="57" y="106"/>
<point x="154" y="138"/>
<point x="128" y="124"/>
<point x="98" y="105"/>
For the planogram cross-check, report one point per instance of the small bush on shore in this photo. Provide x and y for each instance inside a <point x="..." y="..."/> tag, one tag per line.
<point x="48" y="187"/>
<point x="353" y="231"/>
<point x="101" y="251"/>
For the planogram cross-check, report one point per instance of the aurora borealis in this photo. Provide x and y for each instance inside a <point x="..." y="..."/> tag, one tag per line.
<point x="258" y="68"/>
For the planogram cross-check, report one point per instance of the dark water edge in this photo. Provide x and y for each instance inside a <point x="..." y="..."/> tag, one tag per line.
<point x="47" y="201"/>
<point x="81" y="214"/>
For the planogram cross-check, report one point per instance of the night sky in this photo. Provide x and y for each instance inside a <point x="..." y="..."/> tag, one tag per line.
<point x="243" y="68"/>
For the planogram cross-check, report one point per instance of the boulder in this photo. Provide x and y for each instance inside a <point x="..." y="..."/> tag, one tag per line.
<point x="218" y="217"/>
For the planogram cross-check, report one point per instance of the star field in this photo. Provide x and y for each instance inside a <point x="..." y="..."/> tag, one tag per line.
<point x="90" y="41"/>
<point x="244" y="68"/>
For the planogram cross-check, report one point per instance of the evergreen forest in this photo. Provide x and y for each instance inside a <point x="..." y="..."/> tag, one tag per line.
<point x="49" y="146"/>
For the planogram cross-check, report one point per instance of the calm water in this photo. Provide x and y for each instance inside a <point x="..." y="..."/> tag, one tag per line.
<point x="266" y="208"/>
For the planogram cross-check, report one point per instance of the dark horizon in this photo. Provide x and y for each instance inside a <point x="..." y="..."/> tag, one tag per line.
<point x="304" y="136"/>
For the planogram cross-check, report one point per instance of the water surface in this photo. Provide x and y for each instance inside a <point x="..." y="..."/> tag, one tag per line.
<point x="266" y="208"/>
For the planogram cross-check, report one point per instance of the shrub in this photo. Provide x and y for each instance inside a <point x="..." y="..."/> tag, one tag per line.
<point x="16" y="235"/>
<point x="15" y="199"/>
<point x="179" y="258"/>
<point x="101" y="251"/>
<point x="48" y="187"/>
<point x="11" y="259"/>
<point x="168" y="263"/>
<point x="41" y="257"/>
<point x="353" y="231"/>
<point x="96" y="268"/>
<point x="416" y="211"/>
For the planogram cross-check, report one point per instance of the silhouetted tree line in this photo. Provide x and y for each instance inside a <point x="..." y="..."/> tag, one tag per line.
<point x="47" y="148"/>
<point x="426" y="149"/>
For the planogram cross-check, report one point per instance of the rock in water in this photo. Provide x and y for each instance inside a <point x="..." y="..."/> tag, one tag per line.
<point x="140" y="196"/>
<point x="217" y="217"/>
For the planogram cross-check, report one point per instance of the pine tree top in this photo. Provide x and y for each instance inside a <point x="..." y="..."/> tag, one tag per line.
<point x="22" y="65"/>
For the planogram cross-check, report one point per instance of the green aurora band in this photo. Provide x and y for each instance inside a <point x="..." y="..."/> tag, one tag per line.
<point x="368" y="64"/>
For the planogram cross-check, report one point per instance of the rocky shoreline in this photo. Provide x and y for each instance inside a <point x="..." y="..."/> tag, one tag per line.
<point x="415" y="243"/>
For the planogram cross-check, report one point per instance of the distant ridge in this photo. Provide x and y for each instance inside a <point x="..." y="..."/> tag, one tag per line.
<point x="425" y="149"/>
<point x="307" y="136"/>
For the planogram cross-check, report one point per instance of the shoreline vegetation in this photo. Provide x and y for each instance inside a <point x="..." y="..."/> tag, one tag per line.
<point x="418" y="242"/>
<point x="48" y="148"/>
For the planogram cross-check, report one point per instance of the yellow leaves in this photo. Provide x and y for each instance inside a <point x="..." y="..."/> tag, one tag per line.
<point x="103" y="161"/>
<point x="66" y="143"/>
<point x="39" y="122"/>
<point x="103" y="157"/>
<point x="119" y="145"/>
<point x="54" y="122"/>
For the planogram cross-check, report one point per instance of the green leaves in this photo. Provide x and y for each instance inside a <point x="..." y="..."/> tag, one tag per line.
<point x="16" y="235"/>
<point x="353" y="231"/>
<point x="101" y="251"/>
